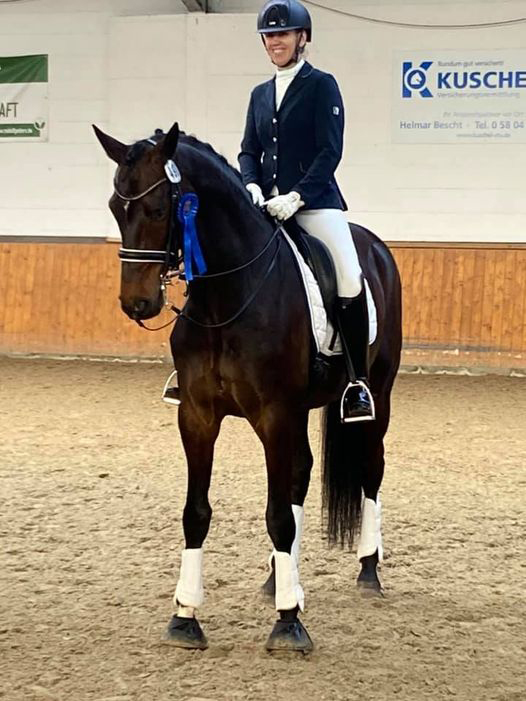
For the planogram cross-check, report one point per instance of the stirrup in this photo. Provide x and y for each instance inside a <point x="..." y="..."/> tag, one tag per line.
<point x="171" y="394"/>
<point x="355" y="419"/>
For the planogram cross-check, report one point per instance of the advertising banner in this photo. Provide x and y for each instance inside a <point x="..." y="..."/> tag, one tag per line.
<point x="24" y="98"/>
<point x="460" y="96"/>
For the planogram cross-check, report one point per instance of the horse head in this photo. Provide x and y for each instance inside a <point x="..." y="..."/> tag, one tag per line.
<point x="141" y="206"/>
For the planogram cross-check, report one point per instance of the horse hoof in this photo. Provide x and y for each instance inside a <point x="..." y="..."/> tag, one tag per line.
<point x="186" y="633"/>
<point x="369" y="586"/>
<point x="289" y="636"/>
<point x="269" y="588"/>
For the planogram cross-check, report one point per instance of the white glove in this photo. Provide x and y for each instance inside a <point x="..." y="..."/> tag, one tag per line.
<point x="283" y="207"/>
<point x="256" y="194"/>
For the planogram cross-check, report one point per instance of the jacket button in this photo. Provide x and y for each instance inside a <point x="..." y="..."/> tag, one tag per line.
<point x="275" y="158"/>
<point x="274" y="176"/>
<point x="274" y="120"/>
<point x="274" y="139"/>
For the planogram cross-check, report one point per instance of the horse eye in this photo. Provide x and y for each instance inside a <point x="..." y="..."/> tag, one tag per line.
<point x="157" y="213"/>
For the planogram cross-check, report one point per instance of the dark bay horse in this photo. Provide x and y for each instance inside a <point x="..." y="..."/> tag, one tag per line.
<point x="242" y="347"/>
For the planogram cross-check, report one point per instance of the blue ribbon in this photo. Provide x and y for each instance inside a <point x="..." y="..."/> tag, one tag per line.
<point x="186" y="213"/>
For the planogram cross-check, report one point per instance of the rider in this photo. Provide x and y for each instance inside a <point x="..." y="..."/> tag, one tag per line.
<point x="292" y="145"/>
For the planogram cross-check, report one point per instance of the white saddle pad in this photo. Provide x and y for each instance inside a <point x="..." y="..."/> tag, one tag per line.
<point x="322" y="329"/>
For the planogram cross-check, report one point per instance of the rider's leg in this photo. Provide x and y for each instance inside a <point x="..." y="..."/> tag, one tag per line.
<point x="331" y="227"/>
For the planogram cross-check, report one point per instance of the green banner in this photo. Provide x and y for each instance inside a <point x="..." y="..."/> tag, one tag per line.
<point x="24" y="98"/>
<point x="23" y="69"/>
<point x="20" y="130"/>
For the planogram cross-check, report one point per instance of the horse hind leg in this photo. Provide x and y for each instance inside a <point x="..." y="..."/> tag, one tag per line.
<point x="198" y="433"/>
<point x="370" y="549"/>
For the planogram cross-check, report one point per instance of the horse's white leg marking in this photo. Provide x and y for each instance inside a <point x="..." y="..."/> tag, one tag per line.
<point x="299" y="515"/>
<point x="189" y="593"/>
<point x="371" y="530"/>
<point x="289" y="592"/>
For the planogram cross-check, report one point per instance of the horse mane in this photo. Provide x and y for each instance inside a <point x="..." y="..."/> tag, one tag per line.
<point x="208" y="149"/>
<point x="136" y="151"/>
<point x="230" y="177"/>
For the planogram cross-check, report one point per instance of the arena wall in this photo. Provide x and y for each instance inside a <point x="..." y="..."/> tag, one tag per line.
<point x="457" y="209"/>
<point x="463" y="306"/>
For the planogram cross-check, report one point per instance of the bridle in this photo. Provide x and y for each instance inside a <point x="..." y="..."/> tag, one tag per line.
<point x="169" y="257"/>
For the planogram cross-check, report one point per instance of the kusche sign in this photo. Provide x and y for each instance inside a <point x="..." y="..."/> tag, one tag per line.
<point x="453" y="97"/>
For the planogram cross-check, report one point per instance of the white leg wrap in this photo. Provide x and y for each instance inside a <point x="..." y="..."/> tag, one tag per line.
<point x="371" y="530"/>
<point x="289" y="592"/>
<point x="189" y="591"/>
<point x="299" y="515"/>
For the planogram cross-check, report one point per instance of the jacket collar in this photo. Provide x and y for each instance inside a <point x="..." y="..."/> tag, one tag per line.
<point x="296" y="86"/>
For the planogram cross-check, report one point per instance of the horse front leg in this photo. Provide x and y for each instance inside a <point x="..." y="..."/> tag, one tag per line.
<point x="278" y="432"/>
<point x="301" y="470"/>
<point x="199" y="430"/>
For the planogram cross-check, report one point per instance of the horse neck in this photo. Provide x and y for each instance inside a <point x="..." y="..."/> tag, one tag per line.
<point x="231" y="230"/>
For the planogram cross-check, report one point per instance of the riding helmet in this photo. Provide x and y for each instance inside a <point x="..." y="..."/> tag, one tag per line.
<point x="284" y="15"/>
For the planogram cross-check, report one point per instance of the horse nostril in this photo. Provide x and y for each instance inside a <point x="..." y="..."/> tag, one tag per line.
<point x="137" y="309"/>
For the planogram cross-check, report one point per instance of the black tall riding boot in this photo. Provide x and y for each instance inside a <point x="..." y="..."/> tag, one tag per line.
<point x="357" y="403"/>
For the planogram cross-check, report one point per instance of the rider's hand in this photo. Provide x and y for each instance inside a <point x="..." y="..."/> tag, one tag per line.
<point x="283" y="207"/>
<point x="256" y="194"/>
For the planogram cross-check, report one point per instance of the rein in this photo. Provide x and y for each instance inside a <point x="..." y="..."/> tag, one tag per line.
<point x="171" y="261"/>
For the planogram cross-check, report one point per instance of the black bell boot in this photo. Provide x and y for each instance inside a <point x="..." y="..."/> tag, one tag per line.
<point x="357" y="403"/>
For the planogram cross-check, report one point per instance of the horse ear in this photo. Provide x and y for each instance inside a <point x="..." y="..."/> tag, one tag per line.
<point x="169" y="143"/>
<point x="114" y="149"/>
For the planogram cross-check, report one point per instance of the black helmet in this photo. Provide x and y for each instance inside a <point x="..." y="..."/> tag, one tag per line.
<point x="283" y="15"/>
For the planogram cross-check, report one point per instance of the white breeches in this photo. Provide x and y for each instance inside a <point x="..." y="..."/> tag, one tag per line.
<point x="331" y="227"/>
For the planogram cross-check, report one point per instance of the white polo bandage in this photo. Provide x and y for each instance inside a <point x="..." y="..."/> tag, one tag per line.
<point x="371" y="530"/>
<point x="189" y="591"/>
<point x="289" y="592"/>
<point x="299" y="515"/>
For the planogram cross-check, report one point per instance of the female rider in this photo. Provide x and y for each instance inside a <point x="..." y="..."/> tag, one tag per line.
<point x="292" y="145"/>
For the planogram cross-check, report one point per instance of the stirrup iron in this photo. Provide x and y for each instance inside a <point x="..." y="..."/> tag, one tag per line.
<point x="355" y="419"/>
<point x="171" y="393"/>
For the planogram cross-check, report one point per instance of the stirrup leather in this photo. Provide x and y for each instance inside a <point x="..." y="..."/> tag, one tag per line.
<point x="363" y="385"/>
<point x="171" y="390"/>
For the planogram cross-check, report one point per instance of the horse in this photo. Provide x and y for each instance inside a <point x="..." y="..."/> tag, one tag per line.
<point x="242" y="346"/>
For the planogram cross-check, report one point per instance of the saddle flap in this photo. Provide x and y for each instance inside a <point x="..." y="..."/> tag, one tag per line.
<point x="317" y="256"/>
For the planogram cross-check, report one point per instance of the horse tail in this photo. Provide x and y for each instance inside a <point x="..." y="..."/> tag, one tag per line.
<point x="341" y="475"/>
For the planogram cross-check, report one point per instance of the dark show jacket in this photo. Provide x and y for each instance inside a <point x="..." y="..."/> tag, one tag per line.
<point x="299" y="146"/>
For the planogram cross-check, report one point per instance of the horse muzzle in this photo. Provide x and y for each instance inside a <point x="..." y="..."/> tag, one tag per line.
<point x="140" y="309"/>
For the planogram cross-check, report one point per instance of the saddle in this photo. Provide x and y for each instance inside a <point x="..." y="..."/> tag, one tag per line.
<point x="317" y="256"/>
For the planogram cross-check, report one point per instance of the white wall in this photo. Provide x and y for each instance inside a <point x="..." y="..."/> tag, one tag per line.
<point x="133" y="74"/>
<point x="59" y="188"/>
